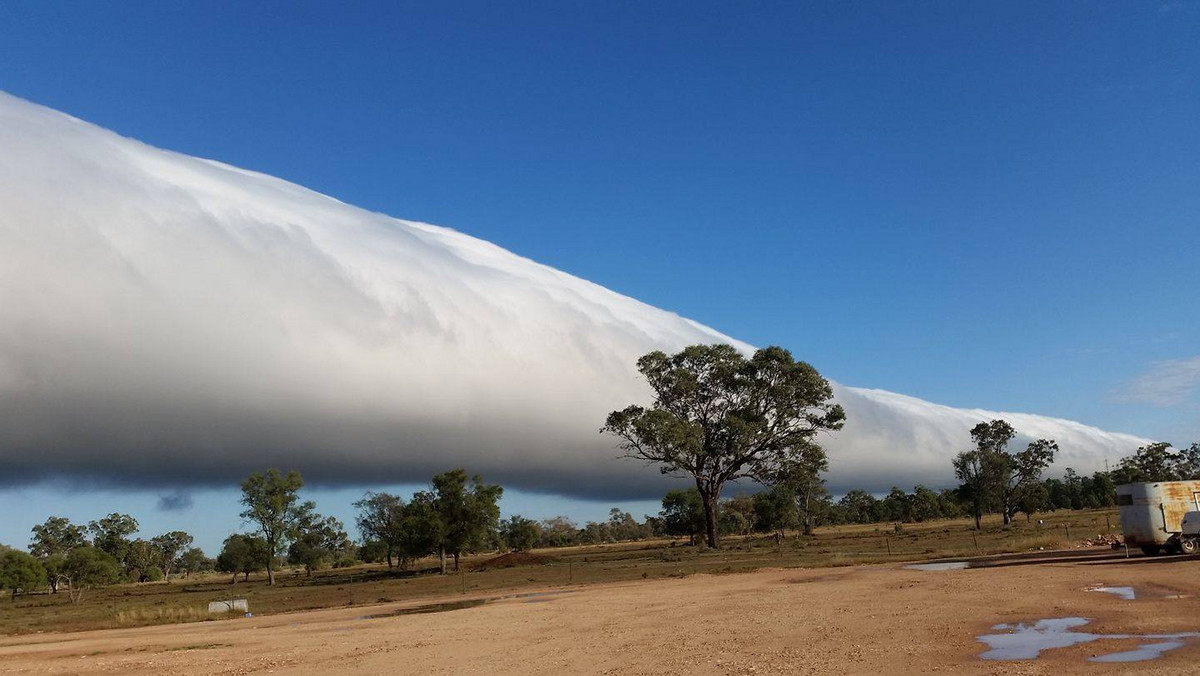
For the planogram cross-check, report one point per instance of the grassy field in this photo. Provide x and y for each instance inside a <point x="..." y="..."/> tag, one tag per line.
<point x="186" y="600"/>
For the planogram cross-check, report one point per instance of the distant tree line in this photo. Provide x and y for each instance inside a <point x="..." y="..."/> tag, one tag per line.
<point x="75" y="557"/>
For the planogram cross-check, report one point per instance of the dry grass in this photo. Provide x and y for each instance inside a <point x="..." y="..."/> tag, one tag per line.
<point x="187" y="600"/>
<point x="143" y="615"/>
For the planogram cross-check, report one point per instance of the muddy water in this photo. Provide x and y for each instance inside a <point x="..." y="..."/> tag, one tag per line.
<point x="446" y="606"/>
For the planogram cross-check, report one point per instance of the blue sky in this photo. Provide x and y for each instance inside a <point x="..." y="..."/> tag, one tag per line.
<point x="980" y="204"/>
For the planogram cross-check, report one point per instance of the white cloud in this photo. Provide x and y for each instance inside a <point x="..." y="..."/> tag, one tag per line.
<point x="169" y="321"/>
<point x="1166" y="383"/>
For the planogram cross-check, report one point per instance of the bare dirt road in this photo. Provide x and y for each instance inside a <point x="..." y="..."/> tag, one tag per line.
<point x="865" y="619"/>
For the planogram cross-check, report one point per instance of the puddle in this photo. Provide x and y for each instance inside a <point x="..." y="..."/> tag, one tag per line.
<point x="532" y="597"/>
<point x="1146" y="651"/>
<point x="1135" y="593"/>
<point x="1127" y="593"/>
<point x="1026" y="642"/>
<point x="944" y="565"/>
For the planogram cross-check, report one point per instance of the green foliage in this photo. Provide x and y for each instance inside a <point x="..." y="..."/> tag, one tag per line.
<point x="20" y="572"/>
<point x="345" y="560"/>
<point x="924" y="505"/>
<point x="683" y="514"/>
<point x="152" y="574"/>
<point x="273" y="504"/>
<point x="380" y="519"/>
<point x="193" y="560"/>
<point x="421" y="529"/>
<point x="1021" y="489"/>
<point x="373" y="551"/>
<point x="520" y="534"/>
<point x="994" y="479"/>
<point x="317" y="542"/>
<point x="111" y="535"/>
<point x="465" y="515"/>
<point x="735" y="516"/>
<point x="896" y="506"/>
<point x="86" y="567"/>
<point x="1158" y="462"/>
<point x="775" y="510"/>
<point x="243" y="553"/>
<point x="56" y="536"/>
<point x="169" y="547"/>
<point x="559" y="531"/>
<point x="140" y="557"/>
<point x="718" y="416"/>
<point x="859" y="506"/>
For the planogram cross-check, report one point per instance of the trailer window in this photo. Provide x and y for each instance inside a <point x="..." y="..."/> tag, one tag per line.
<point x="1124" y="500"/>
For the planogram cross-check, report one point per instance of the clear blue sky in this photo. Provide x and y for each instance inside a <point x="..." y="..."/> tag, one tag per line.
<point x="981" y="204"/>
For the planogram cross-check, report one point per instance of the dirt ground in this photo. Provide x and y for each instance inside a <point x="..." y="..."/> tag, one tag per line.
<point x="861" y="619"/>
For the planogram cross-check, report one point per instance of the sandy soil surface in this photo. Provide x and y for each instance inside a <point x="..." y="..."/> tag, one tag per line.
<point x="865" y="619"/>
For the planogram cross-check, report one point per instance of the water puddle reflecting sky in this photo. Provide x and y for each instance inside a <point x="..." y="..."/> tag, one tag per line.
<point x="1127" y="593"/>
<point x="1026" y="642"/>
<point x="942" y="565"/>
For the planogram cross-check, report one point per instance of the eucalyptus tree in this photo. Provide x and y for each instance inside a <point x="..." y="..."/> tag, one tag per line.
<point x="994" y="479"/>
<point x="272" y="501"/>
<point x="170" y="547"/>
<point x="380" y="518"/>
<point x="51" y="542"/>
<point x="718" y="416"/>
<point x="466" y="514"/>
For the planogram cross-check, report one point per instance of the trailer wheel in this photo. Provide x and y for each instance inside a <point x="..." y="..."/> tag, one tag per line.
<point x="1151" y="550"/>
<point x="1189" y="546"/>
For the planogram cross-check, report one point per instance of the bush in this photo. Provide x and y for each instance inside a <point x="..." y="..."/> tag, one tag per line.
<point x="345" y="561"/>
<point x="20" y="572"/>
<point x="153" y="574"/>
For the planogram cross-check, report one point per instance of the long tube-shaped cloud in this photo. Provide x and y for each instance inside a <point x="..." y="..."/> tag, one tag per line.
<point x="167" y="320"/>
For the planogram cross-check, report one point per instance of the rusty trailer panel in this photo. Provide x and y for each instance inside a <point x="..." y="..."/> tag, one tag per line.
<point x="1152" y="513"/>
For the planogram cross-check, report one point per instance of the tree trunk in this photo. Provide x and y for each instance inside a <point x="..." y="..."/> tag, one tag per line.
<point x="389" y="558"/>
<point x="709" y="498"/>
<point x="978" y="519"/>
<point x="246" y="576"/>
<point x="234" y="580"/>
<point x="270" y="575"/>
<point x="455" y="561"/>
<point x="1007" y="517"/>
<point x="442" y="559"/>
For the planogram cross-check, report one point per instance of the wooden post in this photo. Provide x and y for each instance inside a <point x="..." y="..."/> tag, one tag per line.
<point x="1067" y="526"/>
<point x="888" y="540"/>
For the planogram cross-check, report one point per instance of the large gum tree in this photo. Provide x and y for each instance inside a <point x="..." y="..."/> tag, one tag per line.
<point x="718" y="416"/>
